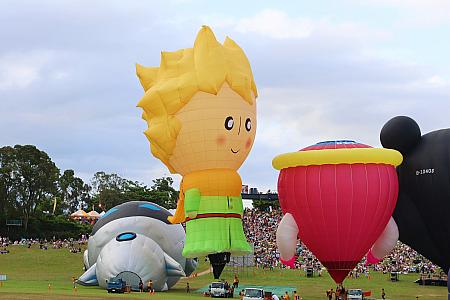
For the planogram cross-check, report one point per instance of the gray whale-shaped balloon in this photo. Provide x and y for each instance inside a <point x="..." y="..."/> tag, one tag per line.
<point x="135" y="241"/>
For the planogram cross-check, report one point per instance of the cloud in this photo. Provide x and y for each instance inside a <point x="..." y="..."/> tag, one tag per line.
<point x="293" y="118"/>
<point x="317" y="89"/>
<point x="417" y="12"/>
<point x="279" y="25"/>
<point x="19" y="70"/>
<point x="275" y="24"/>
<point x="438" y="81"/>
<point x="68" y="84"/>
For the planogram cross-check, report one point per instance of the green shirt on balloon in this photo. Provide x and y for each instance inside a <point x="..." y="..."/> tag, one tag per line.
<point x="215" y="226"/>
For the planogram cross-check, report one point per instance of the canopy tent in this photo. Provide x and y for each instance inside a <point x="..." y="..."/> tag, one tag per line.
<point x="79" y="214"/>
<point x="93" y="214"/>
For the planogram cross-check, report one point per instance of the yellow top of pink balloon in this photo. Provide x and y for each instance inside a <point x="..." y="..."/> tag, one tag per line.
<point x="337" y="152"/>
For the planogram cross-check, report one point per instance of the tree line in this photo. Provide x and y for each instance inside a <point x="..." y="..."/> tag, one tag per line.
<point x="33" y="187"/>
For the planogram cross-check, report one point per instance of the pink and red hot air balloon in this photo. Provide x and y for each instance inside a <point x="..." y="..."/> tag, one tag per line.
<point x="338" y="197"/>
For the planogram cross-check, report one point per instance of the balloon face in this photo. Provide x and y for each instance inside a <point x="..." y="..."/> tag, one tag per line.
<point x="216" y="75"/>
<point x="340" y="208"/>
<point x="217" y="131"/>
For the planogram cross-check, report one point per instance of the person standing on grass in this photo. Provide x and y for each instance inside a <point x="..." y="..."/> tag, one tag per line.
<point x="286" y="296"/>
<point x="235" y="281"/>
<point x="383" y="294"/>
<point x="336" y="293"/>
<point x="150" y="287"/>
<point x="188" y="289"/>
<point x="295" y="295"/>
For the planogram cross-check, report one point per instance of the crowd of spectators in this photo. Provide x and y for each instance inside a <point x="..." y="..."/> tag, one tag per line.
<point x="4" y="243"/>
<point x="73" y="245"/>
<point x="405" y="260"/>
<point x="260" y="228"/>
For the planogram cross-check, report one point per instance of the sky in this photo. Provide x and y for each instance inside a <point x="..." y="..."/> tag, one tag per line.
<point x="325" y="70"/>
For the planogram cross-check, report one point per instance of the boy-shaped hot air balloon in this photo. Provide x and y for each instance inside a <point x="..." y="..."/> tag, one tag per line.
<point x="201" y="113"/>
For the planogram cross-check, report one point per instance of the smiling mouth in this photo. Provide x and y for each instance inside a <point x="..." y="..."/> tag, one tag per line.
<point x="234" y="151"/>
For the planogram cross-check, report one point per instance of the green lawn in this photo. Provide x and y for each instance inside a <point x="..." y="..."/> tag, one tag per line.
<point x="30" y="271"/>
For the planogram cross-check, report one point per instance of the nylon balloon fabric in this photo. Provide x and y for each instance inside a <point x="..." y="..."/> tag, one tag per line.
<point x="340" y="208"/>
<point x="423" y="207"/>
<point x="200" y="108"/>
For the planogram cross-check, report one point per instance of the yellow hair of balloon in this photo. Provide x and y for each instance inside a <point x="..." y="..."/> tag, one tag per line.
<point x="183" y="73"/>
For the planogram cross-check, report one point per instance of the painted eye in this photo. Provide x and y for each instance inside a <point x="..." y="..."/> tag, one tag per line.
<point x="126" y="236"/>
<point x="248" y="124"/>
<point x="229" y="122"/>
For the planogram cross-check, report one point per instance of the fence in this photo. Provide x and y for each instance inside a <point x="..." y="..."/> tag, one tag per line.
<point x="13" y="222"/>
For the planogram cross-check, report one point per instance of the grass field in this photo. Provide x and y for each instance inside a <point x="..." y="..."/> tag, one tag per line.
<point x="30" y="271"/>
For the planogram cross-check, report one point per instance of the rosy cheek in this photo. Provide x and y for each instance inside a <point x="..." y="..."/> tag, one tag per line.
<point x="220" y="140"/>
<point x="248" y="143"/>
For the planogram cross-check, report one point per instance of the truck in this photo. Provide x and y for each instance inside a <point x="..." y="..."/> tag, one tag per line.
<point x="116" y="286"/>
<point x="219" y="290"/>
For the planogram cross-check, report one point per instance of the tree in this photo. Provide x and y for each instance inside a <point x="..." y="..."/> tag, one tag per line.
<point x="135" y="191"/>
<point x="73" y="192"/>
<point x="35" y="177"/>
<point x="7" y="181"/>
<point x="161" y="192"/>
<point x="108" y="190"/>
<point x="162" y="188"/>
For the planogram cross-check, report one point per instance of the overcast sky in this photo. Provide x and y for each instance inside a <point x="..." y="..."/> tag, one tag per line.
<point x="324" y="70"/>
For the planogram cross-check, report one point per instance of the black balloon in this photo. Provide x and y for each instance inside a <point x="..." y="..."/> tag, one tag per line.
<point x="423" y="207"/>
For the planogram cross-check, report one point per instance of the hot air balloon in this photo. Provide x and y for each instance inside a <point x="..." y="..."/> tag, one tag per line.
<point x="422" y="212"/>
<point x="339" y="197"/>
<point x="134" y="241"/>
<point x="200" y="109"/>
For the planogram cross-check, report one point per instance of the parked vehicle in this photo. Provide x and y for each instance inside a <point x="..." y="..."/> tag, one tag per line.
<point x="116" y="286"/>
<point x="219" y="290"/>
<point x="254" y="294"/>
<point x="356" y="294"/>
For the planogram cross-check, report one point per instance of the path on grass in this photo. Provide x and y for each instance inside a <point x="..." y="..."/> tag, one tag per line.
<point x="207" y="271"/>
<point x="204" y="272"/>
